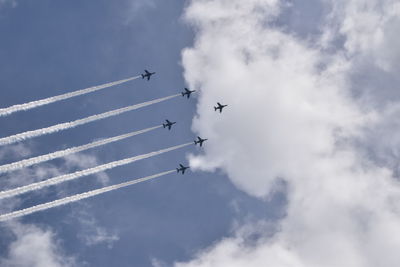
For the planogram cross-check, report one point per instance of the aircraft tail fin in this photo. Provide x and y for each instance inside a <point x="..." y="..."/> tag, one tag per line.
<point x="215" y="108"/>
<point x="164" y="125"/>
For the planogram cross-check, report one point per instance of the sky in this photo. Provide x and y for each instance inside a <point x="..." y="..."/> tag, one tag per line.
<point x="301" y="167"/>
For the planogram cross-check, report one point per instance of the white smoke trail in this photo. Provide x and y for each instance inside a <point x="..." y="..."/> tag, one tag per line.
<point x="67" y="125"/>
<point x="62" y="153"/>
<point x="49" y="100"/>
<point x="77" y="197"/>
<point x="78" y="174"/>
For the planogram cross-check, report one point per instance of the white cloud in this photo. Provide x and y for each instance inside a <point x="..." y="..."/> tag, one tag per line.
<point x="90" y="232"/>
<point x="85" y="161"/>
<point x="282" y="107"/>
<point x="135" y="8"/>
<point x="35" y="247"/>
<point x="46" y="170"/>
<point x="371" y="29"/>
<point x="138" y="5"/>
<point x="292" y="116"/>
<point x="24" y="176"/>
<point x="14" y="152"/>
<point x="157" y="263"/>
<point x="6" y="3"/>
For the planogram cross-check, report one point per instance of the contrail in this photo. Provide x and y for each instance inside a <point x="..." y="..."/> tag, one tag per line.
<point x="49" y="100"/>
<point x="78" y="174"/>
<point x="67" y="125"/>
<point x="62" y="153"/>
<point x="77" y="197"/>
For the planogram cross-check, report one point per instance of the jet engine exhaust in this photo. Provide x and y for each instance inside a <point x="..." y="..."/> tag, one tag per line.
<point x="66" y="200"/>
<point x="62" y="153"/>
<point x="68" y="125"/>
<point x="53" y="99"/>
<point x="78" y="174"/>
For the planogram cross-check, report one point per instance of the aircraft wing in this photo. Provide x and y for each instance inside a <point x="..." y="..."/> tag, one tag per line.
<point x="181" y="165"/>
<point x="147" y="72"/>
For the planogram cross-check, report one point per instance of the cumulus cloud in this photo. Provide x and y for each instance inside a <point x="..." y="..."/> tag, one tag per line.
<point x="370" y="29"/>
<point x="283" y="105"/>
<point x="35" y="247"/>
<point x="367" y="33"/>
<point x="293" y="116"/>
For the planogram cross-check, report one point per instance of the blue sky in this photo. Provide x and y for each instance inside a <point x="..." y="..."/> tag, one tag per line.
<point x="49" y="48"/>
<point x="301" y="167"/>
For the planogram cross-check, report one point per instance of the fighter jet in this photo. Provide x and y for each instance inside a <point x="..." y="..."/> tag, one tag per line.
<point x="220" y="107"/>
<point x="181" y="169"/>
<point x="168" y="124"/>
<point x="147" y="74"/>
<point x="187" y="92"/>
<point x="199" y="141"/>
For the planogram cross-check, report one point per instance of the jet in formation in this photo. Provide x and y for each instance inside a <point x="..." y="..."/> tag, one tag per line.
<point x="220" y="107"/>
<point x="168" y="124"/>
<point x="199" y="141"/>
<point x="187" y="92"/>
<point x="182" y="169"/>
<point x="147" y="74"/>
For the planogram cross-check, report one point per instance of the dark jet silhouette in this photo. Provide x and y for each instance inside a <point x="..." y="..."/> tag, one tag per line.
<point x="147" y="74"/>
<point x="199" y="141"/>
<point x="220" y="107"/>
<point x="182" y="169"/>
<point x="187" y="92"/>
<point x="168" y="124"/>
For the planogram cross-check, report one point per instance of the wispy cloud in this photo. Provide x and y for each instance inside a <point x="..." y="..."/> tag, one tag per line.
<point x="90" y="231"/>
<point x="34" y="245"/>
<point x="136" y="7"/>
<point x="8" y="3"/>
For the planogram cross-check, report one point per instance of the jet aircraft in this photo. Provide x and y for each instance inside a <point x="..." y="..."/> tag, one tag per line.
<point x="168" y="124"/>
<point x="181" y="169"/>
<point x="147" y="74"/>
<point x="199" y="141"/>
<point x="220" y="107"/>
<point x="187" y="92"/>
